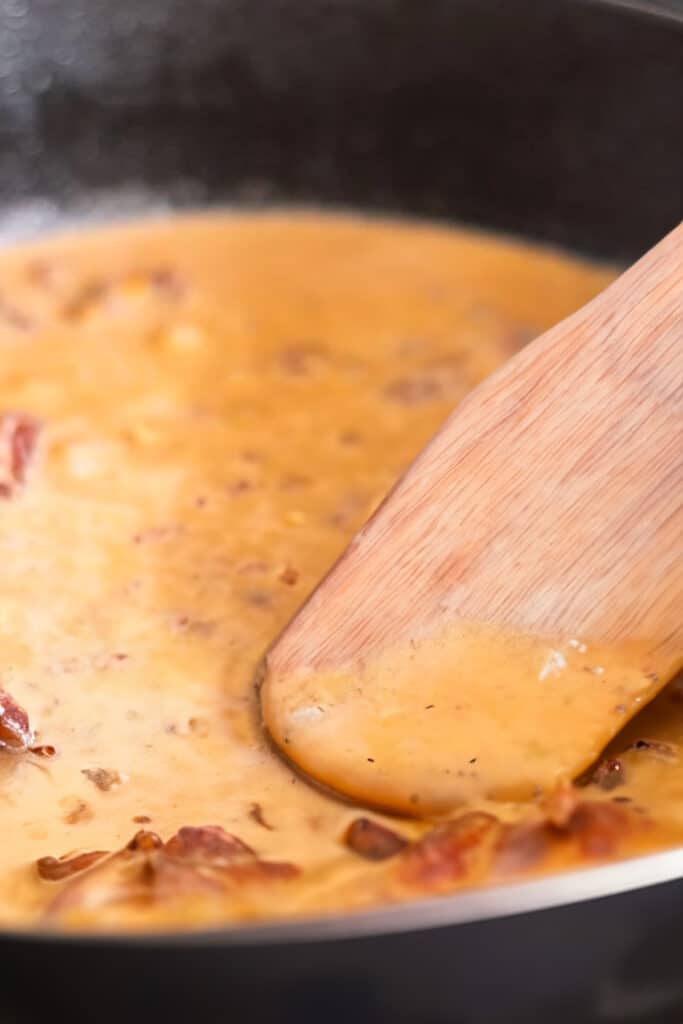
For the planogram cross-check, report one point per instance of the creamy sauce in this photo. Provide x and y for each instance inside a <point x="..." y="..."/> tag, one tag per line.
<point x="222" y="401"/>
<point x="470" y="713"/>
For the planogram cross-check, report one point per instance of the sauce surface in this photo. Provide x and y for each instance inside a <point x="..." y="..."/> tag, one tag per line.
<point x="469" y="713"/>
<point x="195" y="417"/>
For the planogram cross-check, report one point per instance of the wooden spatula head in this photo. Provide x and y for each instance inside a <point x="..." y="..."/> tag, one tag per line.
<point x="518" y="595"/>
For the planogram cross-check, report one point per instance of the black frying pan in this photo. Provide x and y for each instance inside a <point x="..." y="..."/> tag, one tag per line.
<point x="555" y="119"/>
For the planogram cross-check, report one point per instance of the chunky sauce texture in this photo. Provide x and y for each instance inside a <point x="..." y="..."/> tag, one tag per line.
<point x="195" y="417"/>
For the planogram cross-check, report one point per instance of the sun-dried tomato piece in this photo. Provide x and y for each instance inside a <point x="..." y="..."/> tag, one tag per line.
<point x="15" y="730"/>
<point x="102" y="778"/>
<point x="43" y="750"/>
<point x="521" y="847"/>
<point x="56" y="869"/>
<point x="608" y="773"/>
<point x="164" y="879"/>
<point x="599" y="827"/>
<point x="137" y="874"/>
<point x="208" y="843"/>
<point x="18" y="436"/>
<point x="145" y="841"/>
<point x="373" y="841"/>
<point x="204" y="860"/>
<point x="210" y="848"/>
<point x="445" y="854"/>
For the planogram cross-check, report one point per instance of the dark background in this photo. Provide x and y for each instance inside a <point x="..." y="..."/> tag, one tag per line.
<point x="557" y="119"/>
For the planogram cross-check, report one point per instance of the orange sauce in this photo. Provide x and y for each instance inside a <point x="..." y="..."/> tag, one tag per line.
<point x="221" y="402"/>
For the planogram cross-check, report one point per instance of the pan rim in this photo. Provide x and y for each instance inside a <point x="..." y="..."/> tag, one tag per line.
<point x="492" y="903"/>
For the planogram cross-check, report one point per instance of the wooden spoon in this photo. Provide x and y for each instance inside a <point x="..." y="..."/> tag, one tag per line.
<point x="518" y="596"/>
